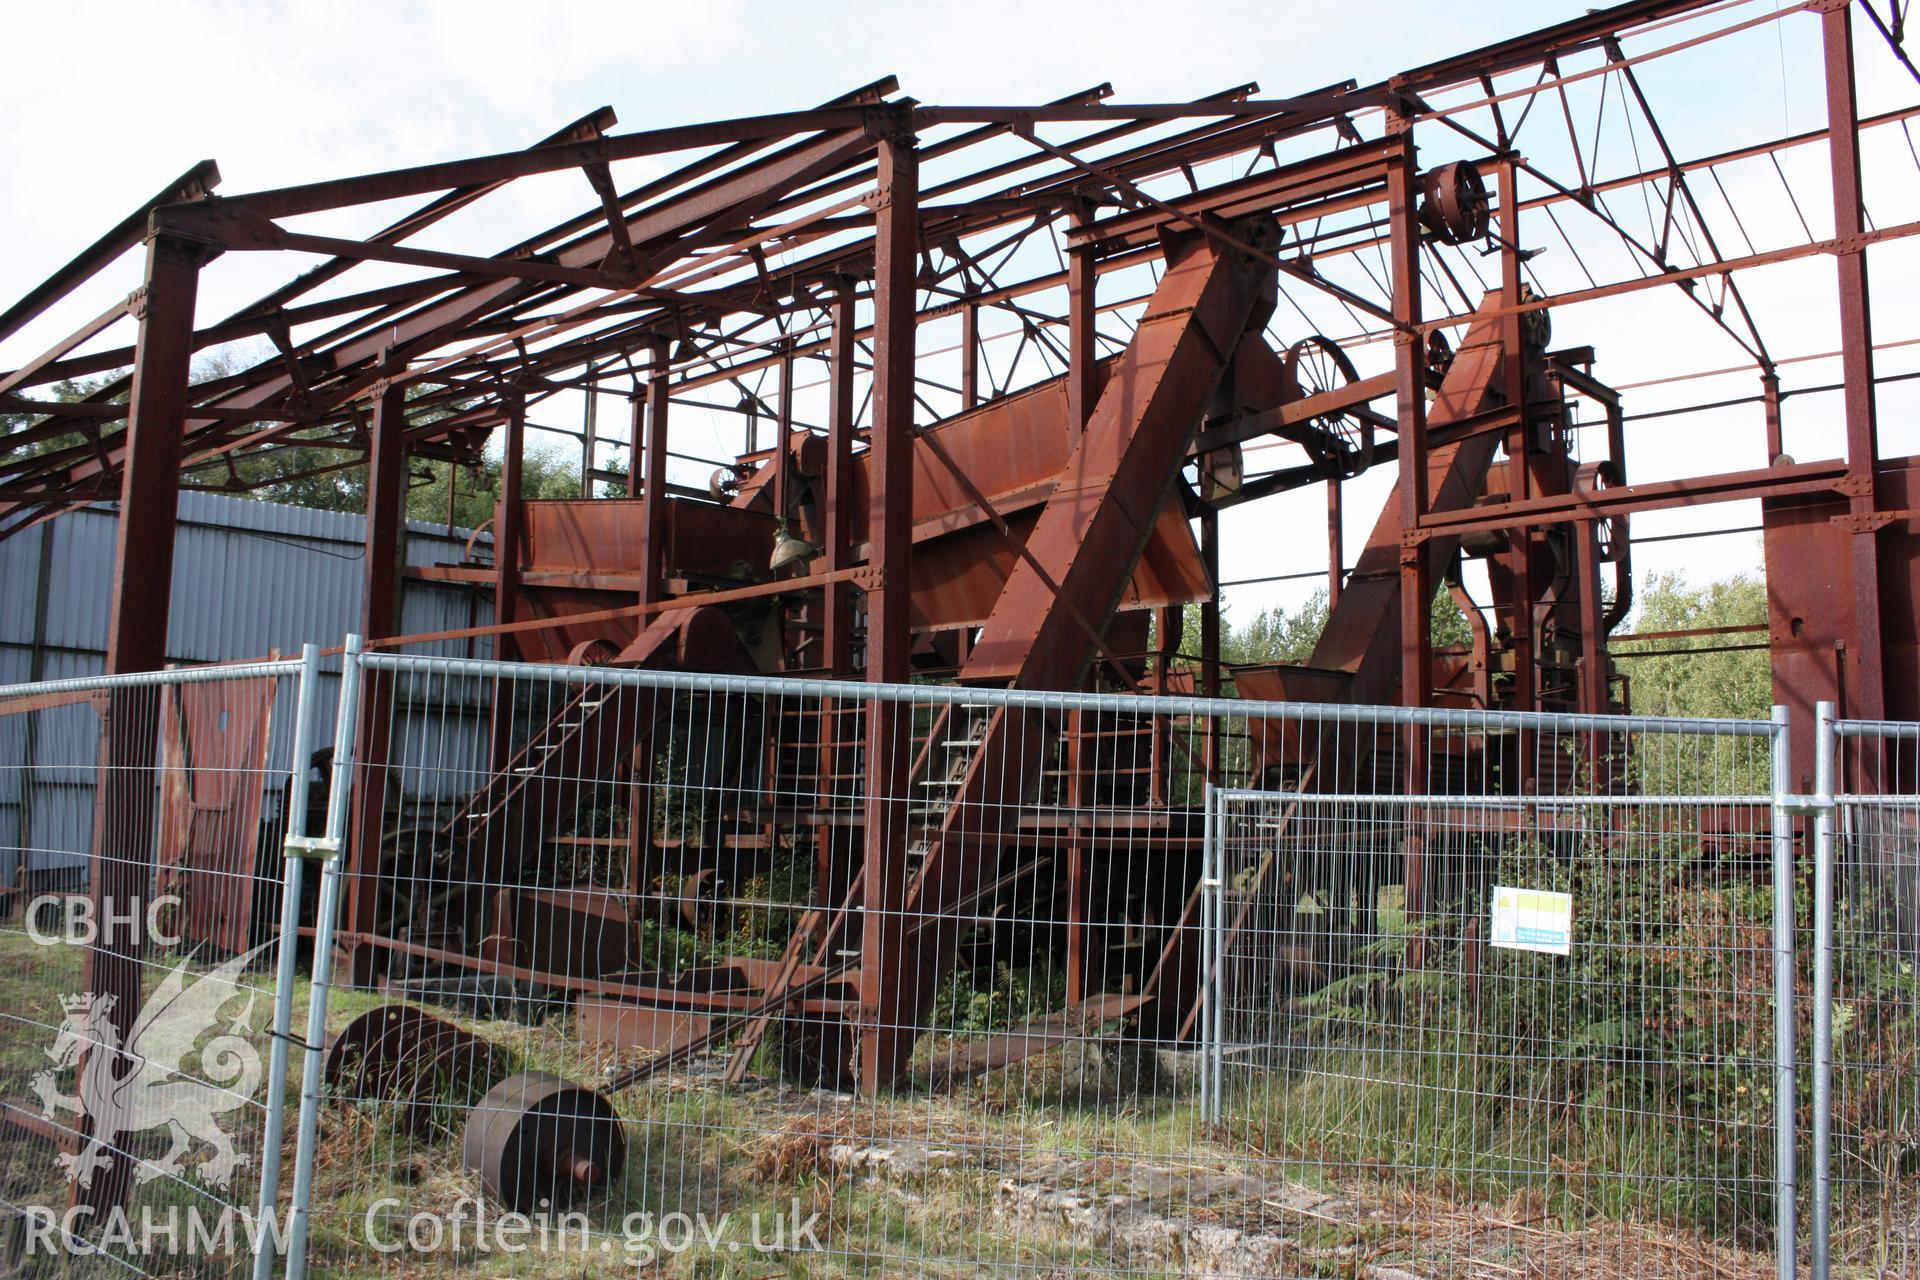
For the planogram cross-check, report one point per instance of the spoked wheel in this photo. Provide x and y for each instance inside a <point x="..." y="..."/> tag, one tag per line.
<point x="425" y="1070"/>
<point x="1340" y="440"/>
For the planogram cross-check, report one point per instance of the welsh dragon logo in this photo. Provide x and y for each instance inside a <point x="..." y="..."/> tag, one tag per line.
<point x="163" y="1090"/>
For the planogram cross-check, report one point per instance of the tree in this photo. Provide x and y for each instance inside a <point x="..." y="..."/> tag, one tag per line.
<point x="1698" y="683"/>
<point x="306" y="475"/>
<point x="544" y="473"/>
<point x="1274" y="635"/>
<point x="1271" y="635"/>
<point x="66" y="391"/>
<point x="1448" y="622"/>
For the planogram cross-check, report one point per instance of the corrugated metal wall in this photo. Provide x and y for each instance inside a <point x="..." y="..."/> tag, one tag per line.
<point x="248" y="577"/>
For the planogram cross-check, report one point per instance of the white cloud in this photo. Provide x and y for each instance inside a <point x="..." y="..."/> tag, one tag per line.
<point x="113" y="99"/>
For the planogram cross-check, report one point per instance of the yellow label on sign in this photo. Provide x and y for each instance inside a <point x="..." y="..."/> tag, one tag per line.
<point x="1532" y="920"/>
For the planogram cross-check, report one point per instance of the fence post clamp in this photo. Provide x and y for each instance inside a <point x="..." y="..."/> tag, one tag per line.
<point x="1815" y="805"/>
<point x="321" y="848"/>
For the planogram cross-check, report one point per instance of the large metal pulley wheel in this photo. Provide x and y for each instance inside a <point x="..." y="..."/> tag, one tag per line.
<point x="539" y="1141"/>
<point x="1339" y="441"/>
<point x="1453" y="206"/>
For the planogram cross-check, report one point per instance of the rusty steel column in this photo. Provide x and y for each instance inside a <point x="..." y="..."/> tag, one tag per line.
<point x="1519" y="441"/>
<point x="506" y="573"/>
<point x="653" y="507"/>
<point x="838" y="516"/>
<point x="386" y="516"/>
<point x="888" y="1021"/>
<point x="1770" y="402"/>
<point x="648" y="454"/>
<point x="970" y="353"/>
<point x="1864" y="691"/>
<point x="1336" y="542"/>
<point x="1592" y="682"/>
<point x="1210" y="627"/>
<point x="1077" y="975"/>
<point x="783" y="436"/>
<point x="1416" y="585"/>
<point x="123" y="822"/>
<point x="1081" y="356"/>
<point x="383" y="563"/>
<point x="589" y="431"/>
<point x="839" y="729"/>
<point x="506" y="527"/>
<point x="1169" y="629"/>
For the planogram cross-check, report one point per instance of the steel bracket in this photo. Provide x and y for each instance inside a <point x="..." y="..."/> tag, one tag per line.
<point x="319" y="848"/>
<point x="1871" y="521"/>
<point x="1797" y="804"/>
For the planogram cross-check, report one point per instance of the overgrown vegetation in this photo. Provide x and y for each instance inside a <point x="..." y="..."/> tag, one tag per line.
<point x="1699" y="675"/>
<point x="1632" y="1078"/>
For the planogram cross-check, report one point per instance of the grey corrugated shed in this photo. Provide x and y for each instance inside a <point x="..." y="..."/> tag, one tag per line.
<point x="248" y="577"/>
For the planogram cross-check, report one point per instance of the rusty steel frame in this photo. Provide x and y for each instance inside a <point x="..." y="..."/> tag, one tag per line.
<point x="830" y="242"/>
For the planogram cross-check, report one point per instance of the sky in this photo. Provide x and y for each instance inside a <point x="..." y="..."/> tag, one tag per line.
<point x="125" y="96"/>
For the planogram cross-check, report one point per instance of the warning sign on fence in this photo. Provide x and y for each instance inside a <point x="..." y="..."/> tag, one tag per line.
<point x="1532" y="920"/>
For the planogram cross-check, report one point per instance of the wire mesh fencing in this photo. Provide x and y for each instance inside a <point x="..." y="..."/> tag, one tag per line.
<point x="1867" y="1002"/>
<point x="1523" y="1014"/>
<point x="650" y="974"/>
<point x="712" y="975"/>
<point x="142" y="822"/>
<point x="732" y="976"/>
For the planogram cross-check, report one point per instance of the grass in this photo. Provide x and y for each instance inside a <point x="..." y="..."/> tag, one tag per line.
<point x="1400" y="1138"/>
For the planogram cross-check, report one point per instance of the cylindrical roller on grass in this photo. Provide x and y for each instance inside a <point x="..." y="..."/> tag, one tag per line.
<point x="428" y="1068"/>
<point x="540" y="1137"/>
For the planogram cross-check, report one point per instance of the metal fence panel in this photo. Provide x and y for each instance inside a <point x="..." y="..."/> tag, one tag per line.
<point x="637" y="993"/>
<point x="1871" y="1038"/>
<point x="1550" y="1048"/>
<point x="136" y="1057"/>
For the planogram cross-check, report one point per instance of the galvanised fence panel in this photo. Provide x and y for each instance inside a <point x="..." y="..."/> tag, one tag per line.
<point x="731" y="976"/>
<point x="704" y="975"/>
<point x="1518" y="1028"/>
<point x="139" y="1074"/>
<point x="1867" y="1002"/>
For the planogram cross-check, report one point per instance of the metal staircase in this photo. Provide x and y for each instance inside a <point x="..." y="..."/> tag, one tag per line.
<point x="536" y="795"/>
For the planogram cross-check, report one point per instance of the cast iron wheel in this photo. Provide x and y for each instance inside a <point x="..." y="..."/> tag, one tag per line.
<point x="540" y="1141"/>
<point x="1315" y="365"/>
